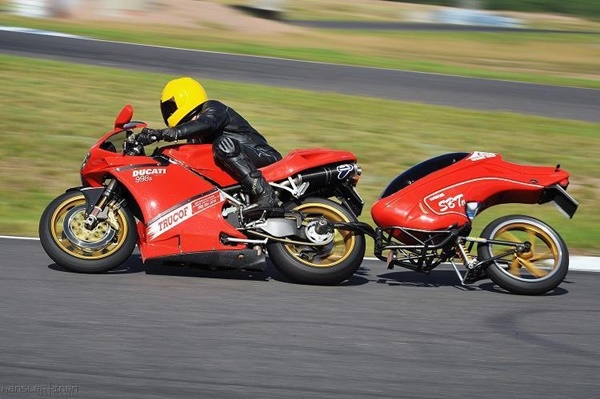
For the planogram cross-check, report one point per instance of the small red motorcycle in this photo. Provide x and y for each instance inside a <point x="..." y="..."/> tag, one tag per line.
<point x="182" y="209"/>
<point x="425" y="214"/>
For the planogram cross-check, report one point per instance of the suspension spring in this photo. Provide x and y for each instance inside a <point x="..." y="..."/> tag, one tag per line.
<point x="464" y="253"/>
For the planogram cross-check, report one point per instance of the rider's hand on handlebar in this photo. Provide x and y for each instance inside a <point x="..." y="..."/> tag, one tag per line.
<point x="149" y="136"/>
<point x="170" y="134"/>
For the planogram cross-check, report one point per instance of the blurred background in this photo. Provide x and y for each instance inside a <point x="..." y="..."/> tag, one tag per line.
<point x="78" y="8"/>
<point x="53" y="110"/>
<point x="503" y="13"/>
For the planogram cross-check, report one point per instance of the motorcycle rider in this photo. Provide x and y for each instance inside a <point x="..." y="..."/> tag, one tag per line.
<point x="237" y="147"/>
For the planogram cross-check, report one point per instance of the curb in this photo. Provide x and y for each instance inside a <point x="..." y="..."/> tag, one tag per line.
<point x="584" y="263"/>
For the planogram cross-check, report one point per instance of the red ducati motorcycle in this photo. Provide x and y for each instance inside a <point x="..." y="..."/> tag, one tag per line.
<point x="182" y="209"/>
<point x="425" y="214"/>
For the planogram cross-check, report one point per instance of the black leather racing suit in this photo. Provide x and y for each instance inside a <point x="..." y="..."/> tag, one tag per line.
<point x="237" y="147"/>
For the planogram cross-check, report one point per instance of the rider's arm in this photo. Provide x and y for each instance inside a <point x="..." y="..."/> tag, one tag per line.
<point x="213" y="118"/>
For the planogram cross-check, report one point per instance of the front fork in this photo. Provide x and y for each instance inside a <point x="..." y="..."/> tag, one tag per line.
<point x="98" y="200"/>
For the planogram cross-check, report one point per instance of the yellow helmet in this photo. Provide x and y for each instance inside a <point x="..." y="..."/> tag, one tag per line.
<point x="179" y="98"/>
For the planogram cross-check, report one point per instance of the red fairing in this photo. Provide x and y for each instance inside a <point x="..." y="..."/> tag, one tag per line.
<point x="200" y="158"/>
<point x="301" y="160"/>
<point x="437" y="201"/>
<point x="173" y="201"/>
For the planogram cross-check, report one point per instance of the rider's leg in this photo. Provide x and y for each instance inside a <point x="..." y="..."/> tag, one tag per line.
<point x="229" y="155"/>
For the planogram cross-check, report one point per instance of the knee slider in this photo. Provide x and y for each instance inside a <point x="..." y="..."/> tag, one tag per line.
<point x="226" y="148"/>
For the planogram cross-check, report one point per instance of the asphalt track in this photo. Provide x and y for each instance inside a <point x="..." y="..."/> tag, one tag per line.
<point x="165" y="332"/>
<point x="158" y="332"/>
<point x="455" y="91"/>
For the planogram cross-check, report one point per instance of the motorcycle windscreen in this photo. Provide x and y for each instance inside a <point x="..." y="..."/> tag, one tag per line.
<point x="421" y="170"/>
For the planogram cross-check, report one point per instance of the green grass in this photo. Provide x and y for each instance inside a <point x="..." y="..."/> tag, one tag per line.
<point x="54" y="111"/>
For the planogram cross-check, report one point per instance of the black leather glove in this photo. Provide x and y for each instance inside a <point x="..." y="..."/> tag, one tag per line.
<point x="170" y="134"/>
<point x="149" y="136"/>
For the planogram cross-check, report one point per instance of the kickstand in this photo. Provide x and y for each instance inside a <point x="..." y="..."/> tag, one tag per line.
<point x="390" y="260"/>
<point x="460" y="277"/>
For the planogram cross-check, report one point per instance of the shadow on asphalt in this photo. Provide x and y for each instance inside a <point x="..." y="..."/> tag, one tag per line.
<point x="402" y="278"/>
<point x="444" y="278"/>
<point x="134" y="265"/>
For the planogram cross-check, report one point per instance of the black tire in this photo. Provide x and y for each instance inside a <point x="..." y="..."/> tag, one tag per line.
<point x="535" y="272"/>
<point x="77" y="249"/>
<point x="327" y="265"/>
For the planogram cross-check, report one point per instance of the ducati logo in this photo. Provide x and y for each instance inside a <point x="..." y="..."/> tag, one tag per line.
<point x="146" y="174"/>
<point x="149" y="171"/>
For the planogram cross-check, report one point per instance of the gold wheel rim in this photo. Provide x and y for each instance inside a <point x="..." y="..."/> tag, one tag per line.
<point x="539" y="262"/>
<point x="69" y="233"/>
<point x="332" y="254"/>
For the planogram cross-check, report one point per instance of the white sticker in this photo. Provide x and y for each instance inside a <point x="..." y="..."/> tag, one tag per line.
<point x="180" y="214"/>
<point x="478" y="156"/>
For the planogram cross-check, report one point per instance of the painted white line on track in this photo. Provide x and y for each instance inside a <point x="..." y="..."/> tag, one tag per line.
<point x="20" y="238"/>
<point x="576" y="263"/>
<point x="39" y="32"/>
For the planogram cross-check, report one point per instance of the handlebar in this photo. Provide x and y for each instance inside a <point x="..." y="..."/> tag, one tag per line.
<point x="131" y="146"/>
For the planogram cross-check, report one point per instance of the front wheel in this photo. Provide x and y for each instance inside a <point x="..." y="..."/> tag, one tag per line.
<point x="539" y="268"/>
<point x="66" y="240"/>
<point x="327" y="264"/>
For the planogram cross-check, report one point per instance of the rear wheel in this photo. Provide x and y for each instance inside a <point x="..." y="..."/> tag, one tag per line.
<point x="540" y="268"/>
<point x="331" y="263"/>
<point x="71" y="245"/>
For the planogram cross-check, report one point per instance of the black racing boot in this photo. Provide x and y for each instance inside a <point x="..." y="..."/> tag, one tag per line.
<point x="262" y="194"/>
<point x="230" y="157"/>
